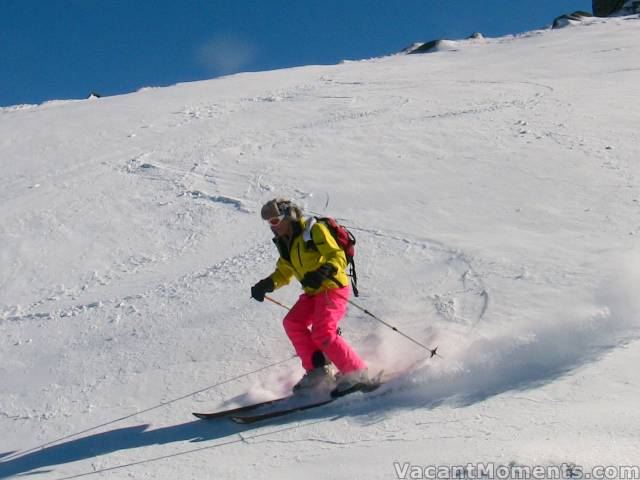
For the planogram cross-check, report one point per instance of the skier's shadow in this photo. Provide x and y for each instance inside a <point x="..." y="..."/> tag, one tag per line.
<point x="365" y="411"/>
<point x="115" y="440"/>
<point x="103" y="443"/>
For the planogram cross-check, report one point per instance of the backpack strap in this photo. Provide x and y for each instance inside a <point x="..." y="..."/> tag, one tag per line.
<point x="306" y="234"/>
<point x="354" y="279"/>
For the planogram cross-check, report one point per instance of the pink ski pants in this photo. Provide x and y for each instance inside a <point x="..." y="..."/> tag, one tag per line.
<point x="312" y="325"/>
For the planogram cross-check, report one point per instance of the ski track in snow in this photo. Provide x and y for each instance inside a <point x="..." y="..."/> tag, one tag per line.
<point x="458" y="299"/>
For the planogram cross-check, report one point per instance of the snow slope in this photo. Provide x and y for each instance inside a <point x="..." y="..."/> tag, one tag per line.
<point x="494" y="190"/>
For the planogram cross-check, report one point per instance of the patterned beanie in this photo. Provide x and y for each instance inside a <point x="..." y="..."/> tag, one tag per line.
<point x="280" y="206"/>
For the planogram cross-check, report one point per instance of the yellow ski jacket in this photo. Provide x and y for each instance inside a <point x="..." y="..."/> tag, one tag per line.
<point x="311" y="246"/>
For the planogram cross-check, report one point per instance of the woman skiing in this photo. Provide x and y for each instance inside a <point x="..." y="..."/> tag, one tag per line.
<point x="312" y="323"/>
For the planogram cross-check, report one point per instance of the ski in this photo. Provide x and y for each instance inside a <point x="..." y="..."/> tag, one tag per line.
<point x="246" y="419"/>
<point x="280" y="412"/>
<point x="239" y="410"/>
<point x="282" y="406"/>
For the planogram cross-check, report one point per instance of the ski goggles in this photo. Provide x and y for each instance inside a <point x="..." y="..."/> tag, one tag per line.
<point x="275" y="221"/>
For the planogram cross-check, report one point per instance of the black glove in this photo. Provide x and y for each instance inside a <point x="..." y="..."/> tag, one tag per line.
<point x="260" y="289"/>
<point x="314" y="279"/>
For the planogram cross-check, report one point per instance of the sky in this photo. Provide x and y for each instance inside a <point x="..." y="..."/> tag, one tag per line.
<point x="64" y="49"/>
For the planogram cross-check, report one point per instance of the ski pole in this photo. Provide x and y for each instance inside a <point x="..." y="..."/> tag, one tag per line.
<point x="267" y="297"/>
<point x="432" y="351"/>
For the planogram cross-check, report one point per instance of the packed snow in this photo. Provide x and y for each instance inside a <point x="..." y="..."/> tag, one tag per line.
<point x="494" y="190"/>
